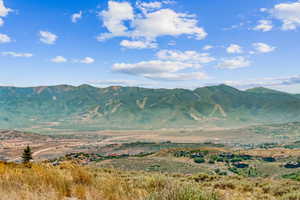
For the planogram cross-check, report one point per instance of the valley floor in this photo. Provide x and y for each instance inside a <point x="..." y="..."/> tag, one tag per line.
<point x="251" y="163"/>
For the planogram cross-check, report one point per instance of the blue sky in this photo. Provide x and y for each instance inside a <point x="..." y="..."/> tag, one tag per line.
<point x="158" y="43"/>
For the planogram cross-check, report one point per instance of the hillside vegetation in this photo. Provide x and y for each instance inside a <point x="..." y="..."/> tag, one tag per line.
<point x="90" y="108"/>
<point x="71" y="181"/>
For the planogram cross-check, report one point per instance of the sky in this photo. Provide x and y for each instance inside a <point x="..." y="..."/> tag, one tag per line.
<point x="151" y="43"/>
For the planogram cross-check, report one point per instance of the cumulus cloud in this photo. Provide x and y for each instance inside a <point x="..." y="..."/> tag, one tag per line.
<point x="149" y="25"/>
<point x="288" y="13"/>
<point x="14" y="54"/>
<point x="59" y="59"/>
<point x="178" y="76"/>
<point x="4" y="38"/>
<point x="76" y="16"/>
<point x="170" y="65"/>
<point x="151" y="5"/>
<point x="167" y="22"/>
<point x="3" y="12"/>
<point x="138" y="44"/>
<point x="151" y="67"/>
<point x="158" y="69"/>
<point x="86" y="60"/>
<point x="207" y="47"/>
<point x="263" y="48"/>
<point x="264" y="26"/>
<point x="186" y="56"/>
<point x="234" y="63"/>
<point x="234" y="48"/>
<point x="114" y="18"/>
<point x="47" y="37"/>
<point x="148" y="6"/>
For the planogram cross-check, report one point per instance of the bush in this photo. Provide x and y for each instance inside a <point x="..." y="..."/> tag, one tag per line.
<point x="199" y="160"/>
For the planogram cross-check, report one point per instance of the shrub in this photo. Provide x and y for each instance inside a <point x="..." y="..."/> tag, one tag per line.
<point x="199" y="160"/>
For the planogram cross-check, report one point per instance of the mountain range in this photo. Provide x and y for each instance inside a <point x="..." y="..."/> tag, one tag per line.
<point x="91" y="108"/>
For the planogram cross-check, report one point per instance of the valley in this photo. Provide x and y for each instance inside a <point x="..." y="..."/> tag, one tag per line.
<point x="214" y="163"/>
<point x="215" y="142"/>
<point x="46" y="146"/>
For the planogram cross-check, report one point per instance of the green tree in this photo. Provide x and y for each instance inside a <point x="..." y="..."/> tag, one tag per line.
<point x="27" y="155"/>
<point x="199" y="160"/>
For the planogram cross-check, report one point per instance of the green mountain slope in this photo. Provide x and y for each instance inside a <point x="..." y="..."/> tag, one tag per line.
<point x="297" y="95"/>
<point x="263" y="90"/>
<point x="90" y="108"/>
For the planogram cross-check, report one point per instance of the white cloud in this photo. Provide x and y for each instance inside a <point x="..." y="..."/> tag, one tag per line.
<point x="86" y="60"/>
<point x="264" y="26"/>
<point x="207" y="47"/>
<point x="14" y="54"/>
<point x="185" y="56"/>
<point x="114" y="17"/>
<point x="4" y="38"/>
<point x="234" y="63"/>
<point x="146" y="68"/>
<point x="151" y="5"/>
<point x="138" y="44"/>
<point x="148" y="6"/>
<point x="263" y="9"/>
<point x="47" y="37"/>
<point x="234" y="48"/>
<point x="167" y="22"/>
<point x="76" y="16"/>
<point x="288" y="13"/>
<point x="171" y="65"/>
<point x="236" y="26"/>
<point x="177" y="76"/>
<point x="147" y="26"/>
<point x="3" y="12"/>
<point x="263" y="48"/>
<point x="59" y="59"/>
<point x="161" y="70"/>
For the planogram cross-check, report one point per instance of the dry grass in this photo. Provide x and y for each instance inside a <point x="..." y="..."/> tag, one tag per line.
<point x="70" y="181"/>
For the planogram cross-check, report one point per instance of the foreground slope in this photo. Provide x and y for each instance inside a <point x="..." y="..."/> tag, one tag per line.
<point x="90" y="107"/>
<point x="70" y="181"/>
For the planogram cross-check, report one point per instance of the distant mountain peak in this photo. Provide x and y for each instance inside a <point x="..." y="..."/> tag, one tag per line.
<point x="264" y="90"/>
<point x="85" y="86"/>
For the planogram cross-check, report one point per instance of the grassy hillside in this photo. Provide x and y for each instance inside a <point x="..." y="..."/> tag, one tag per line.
<point x="71" y="181"/>
<point x="90" y="108"/>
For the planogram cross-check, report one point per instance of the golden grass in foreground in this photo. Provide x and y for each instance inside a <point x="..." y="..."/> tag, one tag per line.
<point x="72" y="182"/>
<point x="45" y="182"/>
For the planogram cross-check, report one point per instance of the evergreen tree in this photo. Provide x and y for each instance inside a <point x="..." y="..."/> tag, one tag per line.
<point x="27" y="155"/>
